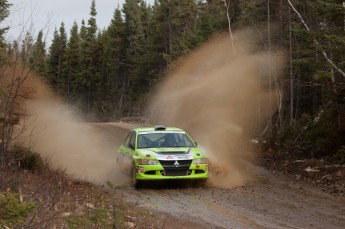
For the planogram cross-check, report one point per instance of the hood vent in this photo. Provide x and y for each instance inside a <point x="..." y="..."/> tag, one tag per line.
<point x="173" y="152"/>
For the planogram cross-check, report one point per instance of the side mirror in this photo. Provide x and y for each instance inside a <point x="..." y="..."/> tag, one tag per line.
<point x="131" y="145"/>
<point x="196" y="143"/>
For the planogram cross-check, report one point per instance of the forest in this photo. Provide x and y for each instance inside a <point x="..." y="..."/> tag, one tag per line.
<point x="109" y="74"/>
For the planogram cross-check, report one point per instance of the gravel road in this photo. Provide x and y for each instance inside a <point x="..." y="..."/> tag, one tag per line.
<point x="268" y="201"/>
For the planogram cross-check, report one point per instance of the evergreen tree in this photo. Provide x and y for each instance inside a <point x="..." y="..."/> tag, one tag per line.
<point x="82" y="81"/>
<point x="4" y="12"/>
<point x="53" y="62"/>
<point x="213" y="19"/>
<point x="135" y="49"/>
<point x="13" y="52"/>
<point x="92" y="47"/>
<point x="93" y="62"/>
<point x="26" y="48"/>
<point x="134" y="46"/>
<point x="147" y="68"/>
<point x="37" y="58"/>
<point x="155" y="44"/>
<point x="114" y="54"/>
<point x="73" y="61"/>
<point x="57" y="70"/>
<point x="62" y="55"/>
<point x="83" y="54"/>
<point x="134" y="34"/>
<point x="176" y="23"/>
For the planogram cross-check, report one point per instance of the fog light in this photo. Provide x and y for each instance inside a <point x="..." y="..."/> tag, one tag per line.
<point x="147" y="162"/>
<point x="142" y="169"/>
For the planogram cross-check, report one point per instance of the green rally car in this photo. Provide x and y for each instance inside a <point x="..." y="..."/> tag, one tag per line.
<point x="163" y="153"/>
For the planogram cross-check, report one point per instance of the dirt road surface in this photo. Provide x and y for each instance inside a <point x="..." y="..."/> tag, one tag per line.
<point x="269" y="201"/>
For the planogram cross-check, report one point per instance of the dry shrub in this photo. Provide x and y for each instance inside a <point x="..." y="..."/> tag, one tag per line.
<point x="27" y="159"/>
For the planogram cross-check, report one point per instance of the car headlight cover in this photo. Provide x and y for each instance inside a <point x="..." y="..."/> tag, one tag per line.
<point x="147" y="162"/>
<point x="200" y="161"/>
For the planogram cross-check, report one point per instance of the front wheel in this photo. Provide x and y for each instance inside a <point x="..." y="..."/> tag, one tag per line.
<point x="134" y="182"/>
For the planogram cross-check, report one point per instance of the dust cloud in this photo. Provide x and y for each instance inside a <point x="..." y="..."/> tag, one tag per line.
<point x="54" y="130"/>
<point x="218" y="97"/>
<point x="221" y="99"/>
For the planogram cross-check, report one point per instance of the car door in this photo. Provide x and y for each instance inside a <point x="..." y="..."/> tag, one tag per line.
<point x="128" y="146"/>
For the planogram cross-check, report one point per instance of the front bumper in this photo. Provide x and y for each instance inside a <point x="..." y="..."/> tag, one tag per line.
<point x="168" y="172"/>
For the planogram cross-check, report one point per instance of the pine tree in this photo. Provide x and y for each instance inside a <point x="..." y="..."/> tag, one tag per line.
<point x="83" y="54"/>
<point x="7" y="97"/>
<point x="93" y="54"/>
<point x="134" y="50"/>
<point x="147" y="67"/>
<point x="73" y="61"/>
<point x="57" y="71"/>
<point x="13" y="52"/>
<point x="26" y="48"/>
<point x="176" y="24"/>
<point x="114" y="54"/>
<point x="62" y="60"/>
<point x="4" y="13"/>
<point x="90" y="56"/>
<point x="114" y="47"/>
<point x="134" y="34"/>
<point x="212" y="18"/>
<point x="82" y="80"/>
<point x="37" y="58"/>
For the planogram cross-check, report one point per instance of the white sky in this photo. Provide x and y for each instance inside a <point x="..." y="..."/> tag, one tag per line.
<point x="34" y="15"/>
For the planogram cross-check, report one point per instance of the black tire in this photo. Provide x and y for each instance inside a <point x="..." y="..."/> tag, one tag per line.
<point x="134" y="182"/>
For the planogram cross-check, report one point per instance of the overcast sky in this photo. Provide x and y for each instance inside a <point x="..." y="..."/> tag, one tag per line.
<point x="34" y="15"/>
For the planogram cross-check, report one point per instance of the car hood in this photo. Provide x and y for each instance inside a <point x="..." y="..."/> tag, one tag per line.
<point x="180" y="153"/>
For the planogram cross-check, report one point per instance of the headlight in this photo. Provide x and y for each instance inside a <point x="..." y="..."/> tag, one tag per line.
<point x="200" y="161"/>
<point x="147" y="162"/>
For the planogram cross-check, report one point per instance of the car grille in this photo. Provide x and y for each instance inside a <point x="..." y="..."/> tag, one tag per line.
<point x="176" y="172"/>
<point x="171" y="168"/>
<point x="171" y="163"/>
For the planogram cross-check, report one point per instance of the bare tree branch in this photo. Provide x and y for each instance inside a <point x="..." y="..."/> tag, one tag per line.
<point x="316" y="42"/>
<point x="227" y="6"/>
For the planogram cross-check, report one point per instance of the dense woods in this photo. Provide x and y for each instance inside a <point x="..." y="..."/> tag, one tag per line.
<point x="110" y="73"/>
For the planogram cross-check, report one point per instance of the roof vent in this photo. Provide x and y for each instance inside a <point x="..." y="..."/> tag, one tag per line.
<point x="160" y="127"/>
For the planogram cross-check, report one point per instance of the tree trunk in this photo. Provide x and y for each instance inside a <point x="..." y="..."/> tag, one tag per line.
<point x="227" y="5"/>
<point x="269" y="69"/>
<point x="291" y="71"/>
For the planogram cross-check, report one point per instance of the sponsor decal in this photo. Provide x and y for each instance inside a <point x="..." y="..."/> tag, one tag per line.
<point x="169" y="157"/>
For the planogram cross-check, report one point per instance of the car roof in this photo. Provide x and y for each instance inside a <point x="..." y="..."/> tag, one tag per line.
<point x="156" y="128"/>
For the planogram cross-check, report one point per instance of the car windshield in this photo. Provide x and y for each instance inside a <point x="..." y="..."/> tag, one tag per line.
<point x="163" y="139"/>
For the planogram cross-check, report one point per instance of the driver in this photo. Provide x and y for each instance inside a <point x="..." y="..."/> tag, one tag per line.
<point x="169" y="140"/>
